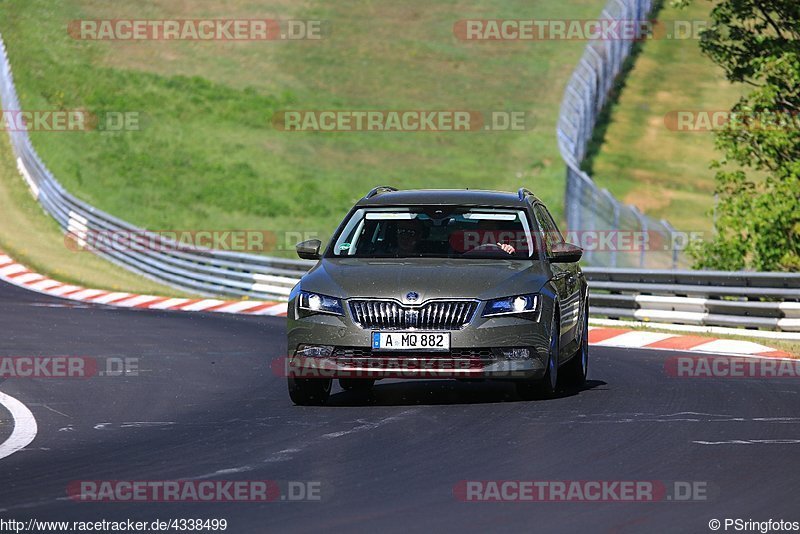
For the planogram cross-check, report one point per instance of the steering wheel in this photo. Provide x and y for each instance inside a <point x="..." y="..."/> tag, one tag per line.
<point x="492" y="249"/>
<point x="489" y="246"/>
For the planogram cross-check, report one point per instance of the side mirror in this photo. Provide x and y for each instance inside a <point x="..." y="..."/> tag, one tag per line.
<point x="566" y="253"/>
<point x="309" y="250"/>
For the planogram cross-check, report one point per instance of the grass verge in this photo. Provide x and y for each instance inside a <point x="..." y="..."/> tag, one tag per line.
<point x="642" y="161"/>
<point x="34" y="239"/>
<point x="207" y="156"/>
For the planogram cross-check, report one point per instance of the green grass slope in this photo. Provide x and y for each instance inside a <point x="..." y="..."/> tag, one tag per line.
<point x="642" y="161"/>
<point x="35" y="240"/>
<point x="207" y="155"/>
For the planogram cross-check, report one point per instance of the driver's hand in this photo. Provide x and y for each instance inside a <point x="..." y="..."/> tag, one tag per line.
<point x="507" y="248"/>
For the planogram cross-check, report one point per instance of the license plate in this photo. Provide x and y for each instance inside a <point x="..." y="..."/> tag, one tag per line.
<point x="423" y="341"/>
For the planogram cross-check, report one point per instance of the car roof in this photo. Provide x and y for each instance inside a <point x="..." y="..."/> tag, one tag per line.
<point x="459" y="197"/>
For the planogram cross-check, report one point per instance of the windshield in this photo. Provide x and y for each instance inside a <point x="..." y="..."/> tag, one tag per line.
<point x="435" y="232"/>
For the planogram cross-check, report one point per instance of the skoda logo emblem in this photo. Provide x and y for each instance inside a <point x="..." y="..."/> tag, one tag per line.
<point x="411" y="296"/>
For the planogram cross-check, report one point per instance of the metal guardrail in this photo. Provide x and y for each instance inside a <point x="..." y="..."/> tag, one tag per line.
<point x="589" y="208"/>
<point x="200" y="271"/>
<point x="707" y="298"/>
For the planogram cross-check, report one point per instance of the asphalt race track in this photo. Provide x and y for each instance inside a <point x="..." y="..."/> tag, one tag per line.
<point x="206" y="405"/>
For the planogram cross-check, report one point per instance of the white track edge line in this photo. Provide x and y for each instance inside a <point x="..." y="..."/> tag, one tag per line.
<point x="25" y="427"/>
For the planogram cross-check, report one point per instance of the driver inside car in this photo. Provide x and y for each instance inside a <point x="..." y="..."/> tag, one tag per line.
<point x="409" y="236"/>
<point x="490" y="232"/>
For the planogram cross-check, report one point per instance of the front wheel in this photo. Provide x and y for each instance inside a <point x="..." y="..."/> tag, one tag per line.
<point x="309" y="391"/>
<point x="576" y="369"/>
<point x="546" y="386"/>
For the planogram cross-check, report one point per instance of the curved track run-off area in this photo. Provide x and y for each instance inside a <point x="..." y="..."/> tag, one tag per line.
<point x="205" y="404"/>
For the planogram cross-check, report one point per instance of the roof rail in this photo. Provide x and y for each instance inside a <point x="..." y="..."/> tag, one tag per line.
<point x="525" y="192"/>
<point x="380" y="189"/>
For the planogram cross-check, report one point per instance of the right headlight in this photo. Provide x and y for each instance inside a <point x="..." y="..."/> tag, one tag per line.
<point x="310" y="303"/>
<point x="518" y="304"/>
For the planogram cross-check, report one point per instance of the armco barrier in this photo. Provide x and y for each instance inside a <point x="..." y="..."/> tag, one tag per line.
<point x="708" y="298"/>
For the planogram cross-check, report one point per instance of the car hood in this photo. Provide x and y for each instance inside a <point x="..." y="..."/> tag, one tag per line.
<point x="430" y="278"/>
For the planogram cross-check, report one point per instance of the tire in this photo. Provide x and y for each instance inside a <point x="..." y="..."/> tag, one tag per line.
<point x="357" y="384"/>
<point x="309" y="391"/>
<point x="575" y="370"/>
<point x="546" y="386"/>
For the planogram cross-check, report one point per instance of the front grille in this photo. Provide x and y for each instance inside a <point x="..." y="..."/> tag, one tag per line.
<point x="434" y="315"/>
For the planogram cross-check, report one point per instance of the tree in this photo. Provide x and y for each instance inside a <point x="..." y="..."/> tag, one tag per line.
<point x="757" y="216"/>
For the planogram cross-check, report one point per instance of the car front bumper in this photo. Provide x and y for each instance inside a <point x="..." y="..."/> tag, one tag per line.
<point x="476" y="351"/>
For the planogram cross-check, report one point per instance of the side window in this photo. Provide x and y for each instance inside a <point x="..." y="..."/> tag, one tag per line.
<point x="551" y="234"/>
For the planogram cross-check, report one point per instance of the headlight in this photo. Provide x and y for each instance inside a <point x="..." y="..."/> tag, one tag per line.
<point x="511" y="305"/>
<point x="314" y="351"/>
<point x="316" y="303"/>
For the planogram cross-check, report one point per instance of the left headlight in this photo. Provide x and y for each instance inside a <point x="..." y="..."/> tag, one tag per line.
<point x="315" y="303"/>
<point x="517" y="304"/>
